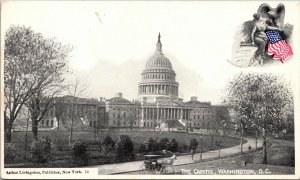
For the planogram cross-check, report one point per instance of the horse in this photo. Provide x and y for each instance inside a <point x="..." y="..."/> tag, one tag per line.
<point x="167" y="162"/>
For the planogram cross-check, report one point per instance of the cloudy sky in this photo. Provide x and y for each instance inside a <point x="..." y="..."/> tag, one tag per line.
<point x="113" y="40"/>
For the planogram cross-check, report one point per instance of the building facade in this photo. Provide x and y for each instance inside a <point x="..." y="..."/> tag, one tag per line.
<point x="86" y="113"/>
<point x="157" y="106"/>
<point x="122" y="112"/>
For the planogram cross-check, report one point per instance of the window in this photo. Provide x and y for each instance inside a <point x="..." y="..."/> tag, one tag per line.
<point x="51" y="123"/>
<point x="47" y="123"/>
<point x="90" y="123"/>
<point x="144" y="124"/>
<point x="124" y="114"/>
<point x="95" y="124"/>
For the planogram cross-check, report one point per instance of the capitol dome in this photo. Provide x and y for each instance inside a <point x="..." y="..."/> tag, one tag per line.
<point x="158" y="60"/>
<point x="158" y="76"/>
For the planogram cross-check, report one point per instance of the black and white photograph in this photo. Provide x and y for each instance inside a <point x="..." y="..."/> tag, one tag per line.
<point x="149" y="89"/>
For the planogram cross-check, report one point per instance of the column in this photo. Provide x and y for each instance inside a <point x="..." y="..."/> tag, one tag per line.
<point x="181" y="115"/>
<point x="153" y="113"/>
<point x="167" y="90"/>
<point x="167" y="113"/>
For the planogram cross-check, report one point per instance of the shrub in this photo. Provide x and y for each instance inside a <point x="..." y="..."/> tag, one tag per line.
<point x="124" y="149"/>
<point x="9" y="152"/>
<point x="142" y="148"/>
<point x="183" y="148"/>
<point x="173" y="145"/>
<point x="79" y="152"/>
<point x="40" y="151"/>
<point x="108" y="144"/>
<point x="151" y="145"/>
<point x="59" y="143"/>
<point x="193" y="144"/>
<point x="164" y="143"/>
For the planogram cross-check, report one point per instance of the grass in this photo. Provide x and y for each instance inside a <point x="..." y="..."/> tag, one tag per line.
<point x="62" y="158"/>
<point x="280" y="162"/>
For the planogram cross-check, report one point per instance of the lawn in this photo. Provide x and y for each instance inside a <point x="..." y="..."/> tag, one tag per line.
<point x="280" y="162"/>
<point x="61" y="157"/>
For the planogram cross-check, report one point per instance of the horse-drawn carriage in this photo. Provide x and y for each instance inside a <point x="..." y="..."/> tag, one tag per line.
<point x="157" y="163"/>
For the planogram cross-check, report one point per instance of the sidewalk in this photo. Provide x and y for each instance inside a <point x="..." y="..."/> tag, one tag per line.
<point x="184" y="159"/>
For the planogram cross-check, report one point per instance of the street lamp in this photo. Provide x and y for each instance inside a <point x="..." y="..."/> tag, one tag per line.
<point x="201" y="137"/>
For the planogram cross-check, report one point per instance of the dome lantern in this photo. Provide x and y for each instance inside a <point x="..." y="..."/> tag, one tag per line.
<point x="158" y="45"/>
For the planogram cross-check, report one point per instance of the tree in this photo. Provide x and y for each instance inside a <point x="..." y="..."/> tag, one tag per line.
<point x="59" y="110"/>
<point x="31" y="63"/>
<point x="108" y="144"/>
<point x="221" y="122"/>
<point x="40" y="103"/>
<point x="260" y="99"/>
<point x="193" y="144"/>
<point x="124" y="148"/>
<point x="173" y="145"/>
<point x="76" y="89"/>
<point x="164" y="143"/>
<point x="151" y="145"/>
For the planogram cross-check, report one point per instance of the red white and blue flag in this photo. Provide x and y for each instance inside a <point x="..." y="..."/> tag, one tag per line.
<point x="278" y="47"/>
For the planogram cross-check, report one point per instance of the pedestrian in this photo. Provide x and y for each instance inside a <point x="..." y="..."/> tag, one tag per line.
<point x="192" y="154"/>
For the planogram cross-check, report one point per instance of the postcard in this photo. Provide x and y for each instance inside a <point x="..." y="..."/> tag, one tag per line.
<point x="150" y="89"/>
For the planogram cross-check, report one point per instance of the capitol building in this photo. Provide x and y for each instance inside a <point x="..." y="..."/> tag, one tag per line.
<point x="157" y="106"/>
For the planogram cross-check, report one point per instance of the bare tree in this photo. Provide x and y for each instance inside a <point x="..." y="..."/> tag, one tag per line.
<point x="31" y="62"/>
<point x="40" y="103"/>
<point x="59" y="110"/>
<point x="220" y="121"/>
<point x="260" y="99"/>
<point x="75" y="90"/>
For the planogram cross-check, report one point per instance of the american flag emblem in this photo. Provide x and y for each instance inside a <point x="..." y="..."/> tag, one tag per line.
<point x="278" y="47"/>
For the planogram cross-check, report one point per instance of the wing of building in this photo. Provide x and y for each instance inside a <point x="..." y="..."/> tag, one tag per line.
<point x="157" y="106"/>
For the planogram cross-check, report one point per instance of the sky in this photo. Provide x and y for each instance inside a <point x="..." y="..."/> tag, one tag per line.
<point x="112" y="41"/>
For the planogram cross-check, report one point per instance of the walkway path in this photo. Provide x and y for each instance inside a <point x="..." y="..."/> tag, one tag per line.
<point x="184" y="159"/>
